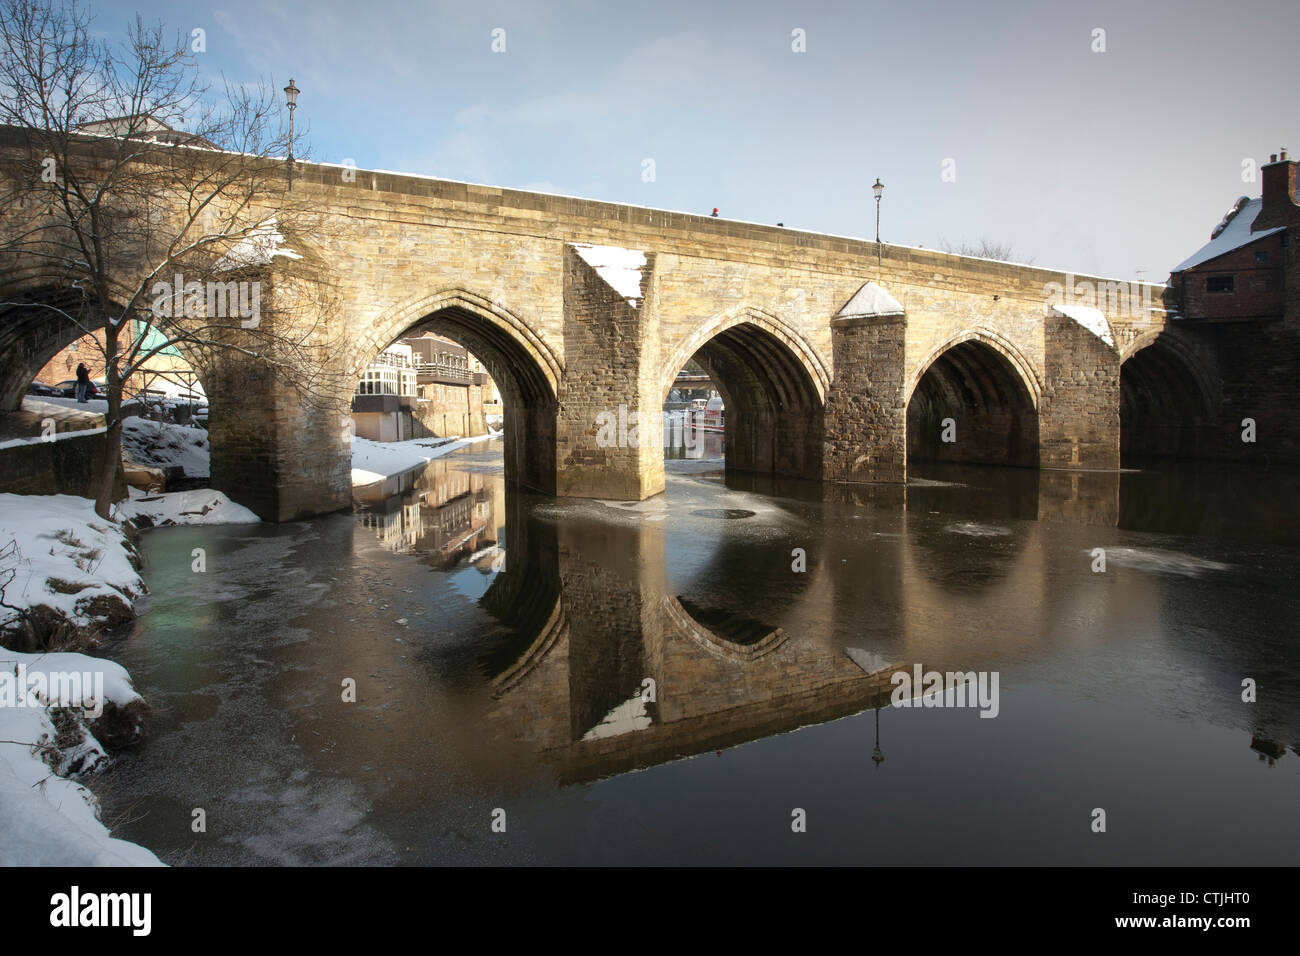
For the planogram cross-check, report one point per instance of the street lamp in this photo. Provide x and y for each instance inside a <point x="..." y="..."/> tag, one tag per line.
<point x="878" y="188"/>
<point x="291" y="94"/>
<point x="877" y="755"/>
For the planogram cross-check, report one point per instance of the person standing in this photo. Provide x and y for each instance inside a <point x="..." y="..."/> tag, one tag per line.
<point x="83" y="383"/>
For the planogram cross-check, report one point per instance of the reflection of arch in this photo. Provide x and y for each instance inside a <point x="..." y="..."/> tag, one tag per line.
<point x="525" y="598"/>
<point x="508" y="679"/>
<point x="1167" y="398"/>
<point x="524" y="367"/>
<point x="988" y="389"/>
<point x="773" y="385"/>
<point x="717" y="645"/>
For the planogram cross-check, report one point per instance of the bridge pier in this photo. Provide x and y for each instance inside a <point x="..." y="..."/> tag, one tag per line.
<point x="271" y="454"/>
<point x="1078" y="412"/>
<point x="866" y="407"/>
<point x="609" y="441"/>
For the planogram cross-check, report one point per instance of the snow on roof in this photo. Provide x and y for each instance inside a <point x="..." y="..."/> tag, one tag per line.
<point x="870" y="300"/>
<point x="620" y="268"/>
<point x="258" y="248"/>
<point x="1233" y="233"/>
<point x="1090" y="318"/>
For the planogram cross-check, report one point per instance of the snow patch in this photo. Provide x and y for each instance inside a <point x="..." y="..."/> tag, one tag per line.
<point x="624" y="719"/>
<point x="1161" y="561"/>
<point x="67" y="559"/>
<point x="375" y="460"/>
<point x="95" y="406"/>
<point x="162" y="444"/>
<point x="262" y="244"/>
<point x="620" y="268"/>
<point x="870" y="300"/>
<point x="869" y="662"/>
<point x="48" y="819"/>
<point x="175" y="508"/>
<point x="57" y="436"/>
<point x="1232" y="233"/>
<point x="976" y="530"/>
<point x="1090" y="318"/>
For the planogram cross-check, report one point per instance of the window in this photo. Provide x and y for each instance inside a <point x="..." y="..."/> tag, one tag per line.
<point x="1261" y="257"/>
<point x="1219" y="284"/>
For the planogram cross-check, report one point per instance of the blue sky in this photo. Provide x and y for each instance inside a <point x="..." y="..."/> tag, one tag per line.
<point x="1105" y="162"/>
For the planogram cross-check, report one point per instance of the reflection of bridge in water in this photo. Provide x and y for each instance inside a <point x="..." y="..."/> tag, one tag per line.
<point x="606" y="658"/>
<point x="444" y="513"/>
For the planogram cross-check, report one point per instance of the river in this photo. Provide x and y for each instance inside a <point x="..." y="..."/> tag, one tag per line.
<point x="705" y="677"/>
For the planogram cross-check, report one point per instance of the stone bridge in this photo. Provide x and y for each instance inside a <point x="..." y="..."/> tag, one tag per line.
<point x="832" y="367"/>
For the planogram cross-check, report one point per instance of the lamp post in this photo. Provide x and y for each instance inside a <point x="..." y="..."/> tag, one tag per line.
<point x="878" y="188"/>
<point x="877" y="755"/>
<point x="291" y="94"/>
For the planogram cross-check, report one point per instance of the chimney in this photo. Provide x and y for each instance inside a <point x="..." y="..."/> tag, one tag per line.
<point x="1278" y="207"/>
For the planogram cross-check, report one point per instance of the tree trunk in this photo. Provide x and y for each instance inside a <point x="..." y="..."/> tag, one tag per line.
<point x="106" y="480"/>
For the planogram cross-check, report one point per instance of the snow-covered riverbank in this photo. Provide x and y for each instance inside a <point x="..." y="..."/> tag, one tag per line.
<point x="47" y="741"/>
<point x="64" y="573"/>
<point x="376" y="460"/>
<point x="67" y="574"/>
<point x="62" y="560"/>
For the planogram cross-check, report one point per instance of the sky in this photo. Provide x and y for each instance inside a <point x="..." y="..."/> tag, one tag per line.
<point x="1112" y="153"/>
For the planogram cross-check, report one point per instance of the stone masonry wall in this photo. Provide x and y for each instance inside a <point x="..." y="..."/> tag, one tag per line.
<point x="1078" y="416"/>
<point x="610" y="347"/>
<point x="866" y="411"/>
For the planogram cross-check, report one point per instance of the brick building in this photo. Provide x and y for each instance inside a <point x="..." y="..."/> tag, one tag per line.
<point x="422" y="387"/>
<point x="1236" y="301"/>
<point x="385" y="396"/>
<point x="1241" y="273"/>
<point x="451" y="387"/>
<point x="166" y="371"/>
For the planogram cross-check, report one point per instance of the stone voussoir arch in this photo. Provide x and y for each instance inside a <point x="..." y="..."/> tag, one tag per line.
<point x="1187" y="353"/>
<point x="390" y="324"/>
<point x="803" y="351"/>
<point x="29" y="344"/>
<point x="1000" y="344"/>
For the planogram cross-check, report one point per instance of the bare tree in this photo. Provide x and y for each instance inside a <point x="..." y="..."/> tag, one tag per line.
<point x="154" y="202"/>
<point x="984" y="249"/>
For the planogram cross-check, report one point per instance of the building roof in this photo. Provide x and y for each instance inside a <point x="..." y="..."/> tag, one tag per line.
<point x="870" y="300"/>
<point x="1232" y="233"/>
<point x="145" y="127"/>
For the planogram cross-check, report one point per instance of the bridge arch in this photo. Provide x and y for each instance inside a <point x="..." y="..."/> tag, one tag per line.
<point x="773" y="384"/>
<point x="1167" y="398"/>
<point x="32" y="332"/>
<point x="989" y="390"/>
<point x="525" y="368"/>
<point x="794" y="340"/>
